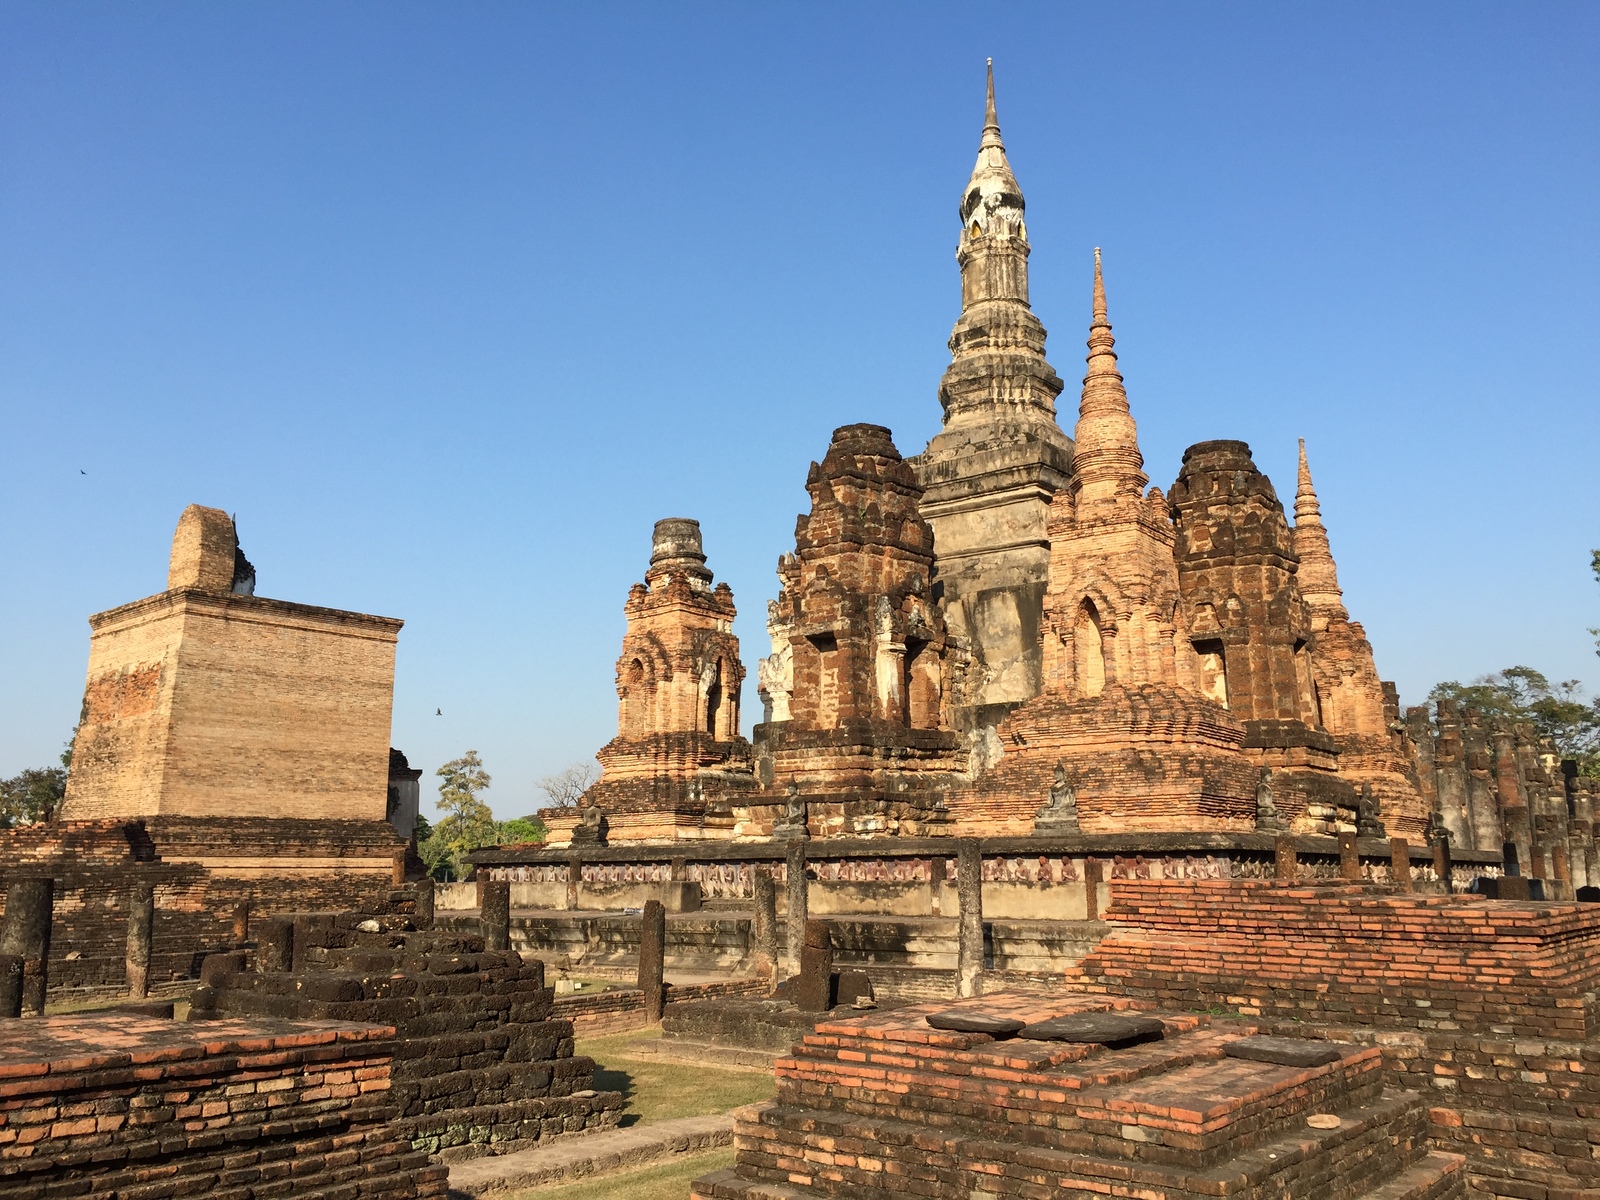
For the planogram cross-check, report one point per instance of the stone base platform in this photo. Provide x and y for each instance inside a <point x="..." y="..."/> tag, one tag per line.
<point x="883" y="1105"/>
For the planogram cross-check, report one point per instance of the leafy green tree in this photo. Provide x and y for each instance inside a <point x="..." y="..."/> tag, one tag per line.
<point x="522" y="829"/>
<point x="1594" y="565"/>
<point x="31" y="796"/>
<point x="468" y="823"/>
<point x="1558" y="711"/>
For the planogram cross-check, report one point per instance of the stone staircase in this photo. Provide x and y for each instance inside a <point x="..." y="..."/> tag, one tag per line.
<point x="884" y="1105"/>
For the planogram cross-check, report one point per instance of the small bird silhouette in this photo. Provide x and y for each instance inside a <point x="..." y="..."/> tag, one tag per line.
<point x="81" y="471"/>
<point x="438" y="712"/>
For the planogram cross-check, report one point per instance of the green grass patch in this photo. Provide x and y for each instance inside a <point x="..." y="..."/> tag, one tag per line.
<point x="660" y="1091"/>
<point x="666" y="1181"/>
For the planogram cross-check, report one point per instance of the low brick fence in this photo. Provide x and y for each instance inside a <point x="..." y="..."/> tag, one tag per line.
<point x="621" y="1010"/>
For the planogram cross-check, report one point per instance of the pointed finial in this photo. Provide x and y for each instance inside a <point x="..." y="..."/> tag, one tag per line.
<point x="990" y="120"/>
<point x="1099" y="294"/>
<point x="1307" y="509"/>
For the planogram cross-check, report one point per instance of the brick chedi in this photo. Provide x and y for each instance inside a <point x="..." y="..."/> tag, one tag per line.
<point x="678" y="752"/>
<point x="873" y="667"/>
<point x="1123" y="713"/>
<point x="233" y="749"/>
<point x="205" y="700"/>
<point x="1348" y="698"/>
<point x="990" y="472"/>
<point x="1250" y="627"/>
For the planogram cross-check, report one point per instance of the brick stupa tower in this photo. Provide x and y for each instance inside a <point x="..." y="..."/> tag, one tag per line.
<point x="1252" y="628"/>
<point x="1123" y="713"/>
<point x="872" y="666"/>
<point x="990" y="473"/>
<point x="1351" y="701"/>
<point x="678" y="751"/>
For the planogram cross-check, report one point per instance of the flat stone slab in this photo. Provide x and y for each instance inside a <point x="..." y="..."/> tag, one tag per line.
<point x="1286" y="1051"/>
<point x="1097" y="1029"/>
<point x="581" y="1155"/>
<point x="960" y="1021"/>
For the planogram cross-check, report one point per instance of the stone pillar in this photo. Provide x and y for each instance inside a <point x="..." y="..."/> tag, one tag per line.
<point x="1519" y="836"/>
<point x="1560" y="869"/>
<point x="1400" y="863"/>
<point x="141" y="928"/>
<point x="275" y="944"/>
<point x="813" y="990"/>
<point x="1441" y="862"/>
<point x="574" y="878"/>
<point x="30" y="905"/>
<point x="1288" y="866"/>
<point x="794" y="890"/>
<point x="1349" y="858"/>
<point x="422" y="918"/>
<point x="494" y="918"/>
<point x="936" y="877"/>
<point x="10" y="985"/>
<point x="653" y="959"/>
<point x="969" y="944"/>
<point x="1093" y="876"/>
<point x="766" y="927"/>
<point x="241" y="923"/>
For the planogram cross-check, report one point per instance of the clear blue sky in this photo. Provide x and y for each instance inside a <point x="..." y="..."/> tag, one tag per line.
<point x="449" y="302"/>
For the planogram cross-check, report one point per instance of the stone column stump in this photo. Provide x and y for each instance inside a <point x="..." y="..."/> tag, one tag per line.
<point x="794" y="890"/>
<point x="141" y="929"/>
<point x="653" y="959"/>
<point x="969" y="944"/>
<point x="25" y="932"/>
<point x="813" y="990"/>
<point x="766" y="927"/>
<point x="494" y="918"/>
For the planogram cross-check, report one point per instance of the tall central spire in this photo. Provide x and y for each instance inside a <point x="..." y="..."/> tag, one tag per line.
<point x="998" y="368"/>
<point x="990" y="472"/>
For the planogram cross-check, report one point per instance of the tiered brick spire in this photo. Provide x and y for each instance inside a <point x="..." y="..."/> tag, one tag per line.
<point x="998" y="362"/>
<point x="1107" y="461"/>
<point x="1319" y="578"/>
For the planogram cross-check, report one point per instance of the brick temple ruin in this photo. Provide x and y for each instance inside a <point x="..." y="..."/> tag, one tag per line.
<point x="1092" y="789"/>
<point x="1014" y="636"/>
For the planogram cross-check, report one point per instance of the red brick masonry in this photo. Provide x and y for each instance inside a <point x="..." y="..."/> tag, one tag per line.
<point x="884" y="1106"/>
<point x="1355" y="954"/>
<point x="136" y="1108"/>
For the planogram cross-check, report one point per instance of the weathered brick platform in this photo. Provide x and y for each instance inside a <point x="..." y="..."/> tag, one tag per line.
<point x="124" y="1107"/>
<point x="1488" y="1007"/>
<point x="1356" y="954"/>
<point x="883" y="1105"/>
<point x="483" y="1064"/>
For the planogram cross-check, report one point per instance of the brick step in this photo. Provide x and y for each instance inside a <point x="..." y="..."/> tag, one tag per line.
<point x="871" y="1158"/>
<point x="1189" y="1102"/>
<point x="1438" y="1176"/>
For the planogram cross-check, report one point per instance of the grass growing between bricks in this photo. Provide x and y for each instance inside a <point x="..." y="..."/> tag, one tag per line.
<point x="667" y="1181"/>
<point x="657" y="1090"/>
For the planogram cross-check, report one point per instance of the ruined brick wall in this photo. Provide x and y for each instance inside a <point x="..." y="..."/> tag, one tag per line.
<point x="201" y="872"/>
<point x="103" y="1105"/>
<point x="1496" y="783"/>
